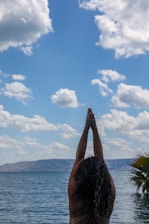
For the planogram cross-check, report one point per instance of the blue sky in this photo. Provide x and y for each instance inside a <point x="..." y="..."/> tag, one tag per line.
<point x="58" y="58"/>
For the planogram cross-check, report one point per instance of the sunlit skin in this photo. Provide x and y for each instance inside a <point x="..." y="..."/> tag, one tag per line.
<point x="77" y="206"/>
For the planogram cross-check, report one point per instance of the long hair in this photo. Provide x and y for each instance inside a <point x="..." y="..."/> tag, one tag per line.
<point x="94" y="184"/>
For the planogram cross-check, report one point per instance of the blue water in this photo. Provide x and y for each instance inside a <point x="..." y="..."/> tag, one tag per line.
<point x="41" y="197"/>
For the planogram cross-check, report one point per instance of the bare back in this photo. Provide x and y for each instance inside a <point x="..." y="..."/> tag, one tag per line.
<point x="81" y="208"/>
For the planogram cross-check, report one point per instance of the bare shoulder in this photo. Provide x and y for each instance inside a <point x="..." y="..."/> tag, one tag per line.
<point x="72" y="185"/>
<point x="76" y="204"/>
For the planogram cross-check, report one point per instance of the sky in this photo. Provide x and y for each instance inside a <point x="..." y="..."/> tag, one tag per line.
<point x="59" y="58"/>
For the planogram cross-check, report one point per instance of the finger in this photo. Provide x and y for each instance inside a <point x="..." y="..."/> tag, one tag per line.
<point x="89" y="110"/>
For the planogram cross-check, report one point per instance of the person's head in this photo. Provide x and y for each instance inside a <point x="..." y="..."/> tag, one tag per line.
<point x="94" y="184"/>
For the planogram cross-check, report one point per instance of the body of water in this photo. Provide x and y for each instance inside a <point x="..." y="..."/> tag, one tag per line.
<point x="41" y="197"/>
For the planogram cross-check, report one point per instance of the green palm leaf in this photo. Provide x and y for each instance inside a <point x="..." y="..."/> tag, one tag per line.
<point x="140" y="173"/>
<point x="142" y="163"/>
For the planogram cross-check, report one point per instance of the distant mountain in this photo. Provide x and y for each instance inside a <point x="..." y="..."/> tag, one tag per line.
<point x="36" y="166"/>
<point x="57" y="165"/>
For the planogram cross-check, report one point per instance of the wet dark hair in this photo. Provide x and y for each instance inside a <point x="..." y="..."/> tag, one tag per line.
<point x="94" y="185"/>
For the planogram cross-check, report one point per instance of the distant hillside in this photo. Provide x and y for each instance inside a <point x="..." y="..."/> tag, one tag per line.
<point x="39" y="165"/>
<point x="57" y="165"/>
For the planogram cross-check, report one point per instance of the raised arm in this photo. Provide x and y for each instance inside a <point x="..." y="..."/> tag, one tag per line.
<point x="98" y="150"/>
<point x="80" y="154"/>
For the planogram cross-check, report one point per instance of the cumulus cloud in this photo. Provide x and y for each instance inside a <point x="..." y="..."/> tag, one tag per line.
<point x="28" y="50"/>
<point x="35" y="123"/>
<point x="68" y="131"/>
<point x="65" y="98"/>
<point x="129" y="126"/>
<point x="119" y="148"/>
<point x="23" y="22"/>
<point x="28" y="148"/>
<point x="129" y="95"/>
<point x="103" y="87"/>
<point x="7" y="142"/>
<point x="22" y="123"/>
<point x="111" y="75"/>
<point x="107" y="76"/>
<point x="18" y="77"/>
<point x="123" y="26"/>
<point x="17" y="90"/>
<point x="59" y="150"/>
<point x="117" y="120"/>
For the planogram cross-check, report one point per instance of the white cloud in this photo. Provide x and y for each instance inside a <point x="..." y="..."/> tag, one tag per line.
<point x="18" y="77"/>
<point x="65" y="98"/>
<point x="131" y="127"/>
<point x="36" y="123"/>
<point x="28" y="50"/>
<point x="68" y="131"/>
<point x="17" y="90"/>
<point x="129" y="95"/>
<point x="28" y="148"/>
<point x="103" y="87"/>
<point x="117" y="120"/>
<point x="123" y="25"/>
<point x="22" y="123"/>
<point x="7" y="142"/>
<point x="23" y="22"/>
<point x="143" y="121"/>
<point x="111" y="75"/>
<point x="31" y="142"/>
<point x="59" y="151"/>
<point x="119" y="148"/>
<point x="107" y="76"/>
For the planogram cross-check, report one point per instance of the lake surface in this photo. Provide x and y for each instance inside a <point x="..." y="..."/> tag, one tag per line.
<point x="41" y="197"/>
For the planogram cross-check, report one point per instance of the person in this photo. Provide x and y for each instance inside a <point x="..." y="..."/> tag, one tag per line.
<point x="91" y="189"/>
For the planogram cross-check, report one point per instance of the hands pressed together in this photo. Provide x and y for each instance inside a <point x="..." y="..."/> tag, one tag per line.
<point x="90" y="120"/>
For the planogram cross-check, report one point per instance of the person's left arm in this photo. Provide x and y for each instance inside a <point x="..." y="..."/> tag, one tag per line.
<point x="80" y="154"/>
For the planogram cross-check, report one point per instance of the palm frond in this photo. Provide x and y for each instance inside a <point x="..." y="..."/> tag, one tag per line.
<point x="141" y="163"/>
<point x="140" y="173"/>
<point x="138" y="178"/>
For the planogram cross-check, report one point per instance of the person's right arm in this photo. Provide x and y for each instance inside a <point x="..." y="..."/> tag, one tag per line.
<point x="80" y="154"/>
<point x="98" y="150"/>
